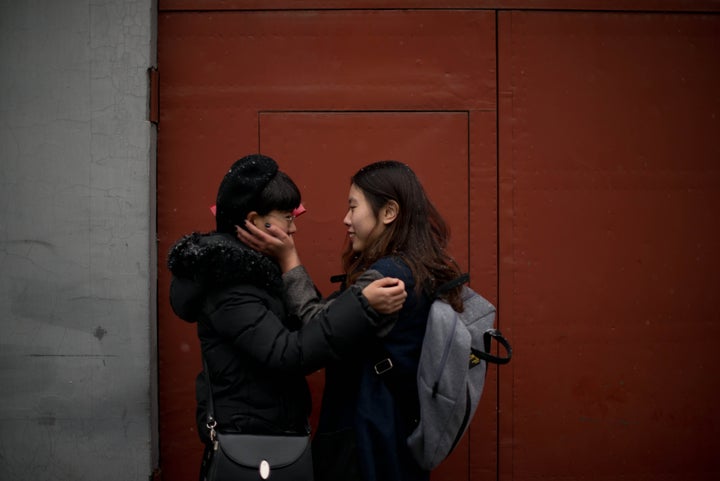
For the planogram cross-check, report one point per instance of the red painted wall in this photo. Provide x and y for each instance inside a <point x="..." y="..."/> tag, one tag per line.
<point x="609" y="200"/>
<point x="575" y="155"/>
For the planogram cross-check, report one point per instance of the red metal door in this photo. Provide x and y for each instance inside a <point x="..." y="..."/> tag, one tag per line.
<point x="324" y="93"/>
<point x="609" y="235"/>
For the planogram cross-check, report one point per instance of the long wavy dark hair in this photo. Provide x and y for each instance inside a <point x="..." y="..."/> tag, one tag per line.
<point x="419" y="235"/>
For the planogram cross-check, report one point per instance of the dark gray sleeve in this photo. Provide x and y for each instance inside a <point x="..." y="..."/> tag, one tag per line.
<point x="385" y="321"/>
<point x="301" y="296"/>
<point x="304" y="300"/>
<point x="240" y="314"/>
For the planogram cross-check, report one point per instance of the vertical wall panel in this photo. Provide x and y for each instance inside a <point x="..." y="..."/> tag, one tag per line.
<point x="610" y="192"/>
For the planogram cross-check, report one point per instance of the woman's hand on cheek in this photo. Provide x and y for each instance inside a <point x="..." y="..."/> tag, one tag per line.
<point x="269" y="242"/>
<point x="273" y="242"/>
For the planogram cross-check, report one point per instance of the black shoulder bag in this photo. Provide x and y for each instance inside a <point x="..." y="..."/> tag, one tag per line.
<point x="245" y="457"/>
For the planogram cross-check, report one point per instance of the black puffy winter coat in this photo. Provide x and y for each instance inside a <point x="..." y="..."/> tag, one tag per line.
<point x="257" y="356"/>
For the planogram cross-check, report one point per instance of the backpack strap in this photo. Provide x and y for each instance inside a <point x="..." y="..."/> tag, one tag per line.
<point x="449" y="285"/>
<point x="382" y="365"/>
<point x="405" y="399"/>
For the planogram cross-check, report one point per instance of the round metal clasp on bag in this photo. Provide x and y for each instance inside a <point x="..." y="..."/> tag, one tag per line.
<point x="264" y="469"/>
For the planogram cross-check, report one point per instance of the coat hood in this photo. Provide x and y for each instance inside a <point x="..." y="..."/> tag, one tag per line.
<point x="200" y="263"/>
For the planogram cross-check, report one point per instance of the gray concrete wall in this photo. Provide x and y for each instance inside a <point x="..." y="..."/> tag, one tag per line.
<point x="77" y="356"/>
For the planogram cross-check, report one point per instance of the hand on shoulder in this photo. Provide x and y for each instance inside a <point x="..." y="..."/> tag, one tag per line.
<point x="386" y="295"/>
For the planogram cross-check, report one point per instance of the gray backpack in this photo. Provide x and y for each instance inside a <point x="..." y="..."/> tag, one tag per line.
<point x="451" y="373"/>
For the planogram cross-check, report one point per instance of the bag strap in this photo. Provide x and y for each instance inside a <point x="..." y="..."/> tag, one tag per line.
<point x="382" y="365"/>
<point x="449" y="285"/>
<point x="382" y="362"/>
<point x="211" y="421"/>
<point x="384" y="368"/>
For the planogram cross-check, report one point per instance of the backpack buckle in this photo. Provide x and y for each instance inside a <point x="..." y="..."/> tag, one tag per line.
<point x="383" y="366"/>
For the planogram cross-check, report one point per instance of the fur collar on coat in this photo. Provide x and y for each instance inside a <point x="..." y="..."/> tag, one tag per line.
<point x="218" y="260"/>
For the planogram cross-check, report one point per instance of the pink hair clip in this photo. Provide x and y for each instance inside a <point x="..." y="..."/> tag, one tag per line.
<point x="299" y="210"/>
<point x="296" y="212"/>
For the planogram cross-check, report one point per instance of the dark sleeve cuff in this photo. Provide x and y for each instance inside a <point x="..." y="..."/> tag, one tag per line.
<point x="375" y="317"/>
<point x="383" y="323"/>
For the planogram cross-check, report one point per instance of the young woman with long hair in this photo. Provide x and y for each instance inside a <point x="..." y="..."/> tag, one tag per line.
<point x="393" y="230"/>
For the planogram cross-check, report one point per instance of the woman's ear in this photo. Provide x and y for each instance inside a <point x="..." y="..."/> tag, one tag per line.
<point x="254" y="217"/>
<point x="389" y="212"/>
